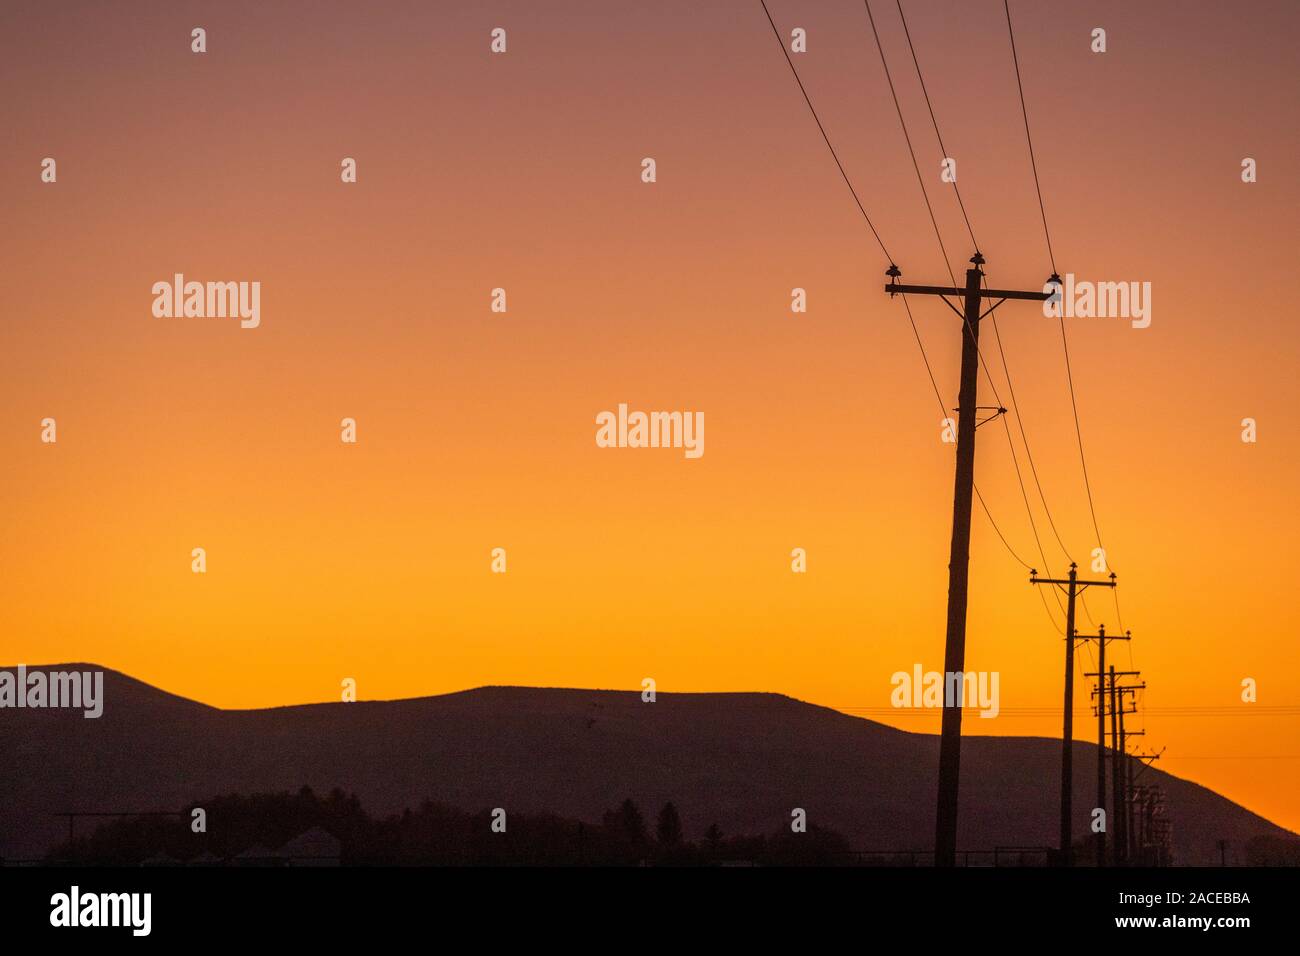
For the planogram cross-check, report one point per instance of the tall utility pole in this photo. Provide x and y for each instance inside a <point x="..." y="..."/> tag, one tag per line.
<point x="1074" y="587"/>
<point x="954" y="658"/>
<point x="1102" y="638"/>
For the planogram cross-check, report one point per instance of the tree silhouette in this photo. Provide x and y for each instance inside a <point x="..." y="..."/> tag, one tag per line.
<point x="669" y="829"/>
<point x="631" y="822"/>
<point x="435" y="834"/>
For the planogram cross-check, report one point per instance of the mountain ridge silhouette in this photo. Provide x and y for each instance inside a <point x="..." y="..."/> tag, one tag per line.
<point x="743" y="760"/>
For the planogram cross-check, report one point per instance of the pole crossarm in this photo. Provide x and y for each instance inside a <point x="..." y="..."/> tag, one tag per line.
<point x="1073" y="585"/>
<point x="1105" y="711"/>
<point x="893" y="289"/>
<point x="1103" y="636"/>
<point x="1079" y="583"/>
<point x="1145" y="760"/>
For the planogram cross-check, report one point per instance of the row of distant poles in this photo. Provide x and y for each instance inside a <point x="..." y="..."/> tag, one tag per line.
<point x="1111" y="696"/>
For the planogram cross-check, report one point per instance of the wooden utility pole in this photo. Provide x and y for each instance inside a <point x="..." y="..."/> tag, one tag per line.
<point x="1101" y="748"/>
<point x="1101" y="637"/>
<point x="1116" y="785"/>
<point x="1130" y="840"/>
<point x="945" y="829"/>
<point x="1137" y="798"/>
<point x="1108" y="686"/>
<point x="1074" y="587"/>
<point x="1119" y="766"/>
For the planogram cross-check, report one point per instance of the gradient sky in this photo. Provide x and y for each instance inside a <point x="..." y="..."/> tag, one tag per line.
<point x="477" y="429"/>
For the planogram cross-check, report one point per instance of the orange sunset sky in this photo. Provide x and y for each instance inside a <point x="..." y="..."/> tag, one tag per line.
<point x="476" y="430"/>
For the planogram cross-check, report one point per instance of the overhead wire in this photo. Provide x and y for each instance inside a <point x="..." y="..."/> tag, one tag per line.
<point x="825" y="136"/>
<point x="879" y="239"/>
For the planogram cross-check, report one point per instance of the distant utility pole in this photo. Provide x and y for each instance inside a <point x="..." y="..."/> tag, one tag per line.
<point x="1074" y="587"/>
<point x="1137" y="828"/>
<point x="1130" y="844"/>
<point x="1129" y="841"/>
<point x="1108" y="685"/>
<point x="1118" y="768"/>
<point x="1115" y="707"/>
<point x="1102" y="638"/>
<point x="945" y="829"/>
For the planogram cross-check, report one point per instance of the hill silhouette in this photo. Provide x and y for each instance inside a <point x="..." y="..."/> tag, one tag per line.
<point x="740" y="760"/>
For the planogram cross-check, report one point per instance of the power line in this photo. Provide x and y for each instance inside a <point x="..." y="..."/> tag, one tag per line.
<point x="970" y="229"/>
<point x="1211" y="712"/>
<point x="1065" y="345"/>
<point x="1010" y="550"/>
<point x="970" y="331"/>
<point x="969" y="318"/>
<point x="1120" y="617"/>
<point x="943" y="412"/>
<point x="937" y="134"/>
<point x="983" y="504"/>
<point x="1033" y="526"/>
<point x="862" y="209"/>
<point x="1084" y="601"/>
<point x="1235" y="756"/>
<point x="1029" y="512"/>
<point x="1020" y="422"/>
<point x="1025" y="113"/>
<point x="916" y="166"/>
<point x="781" y="43"/>
<point x="943" y="251"/>
<point x="1051" y="256"/>
<point x="1078" y="431"/>
<point x="1000" y="535"/>
<point x="908" y="139"/>
<point x="924" y="357"/>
